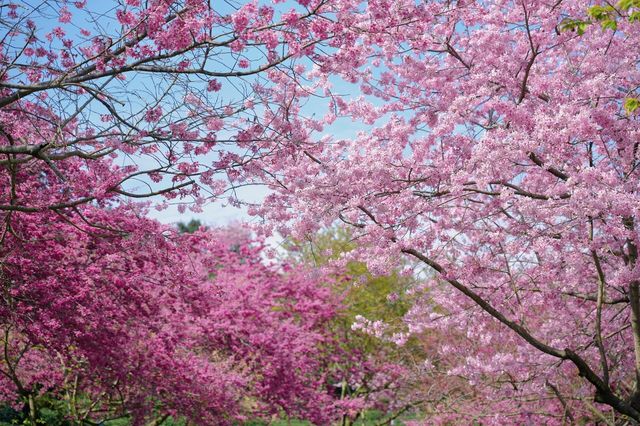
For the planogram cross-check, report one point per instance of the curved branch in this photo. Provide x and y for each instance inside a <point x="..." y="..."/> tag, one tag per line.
<point x="603" y="391"/>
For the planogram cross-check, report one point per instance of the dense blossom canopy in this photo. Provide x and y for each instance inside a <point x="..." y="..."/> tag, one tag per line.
<point x="498" y="155"/>
<point x="191" y="325"/>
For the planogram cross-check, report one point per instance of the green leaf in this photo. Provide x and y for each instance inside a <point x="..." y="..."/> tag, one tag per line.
<point x="600" y="13"/>
<point x="626" y="4"/>
<point x="631" y="104"/>
<point x="609" y="24"/>
<point x="575" y="25"/>
<point x="582" y="27"/>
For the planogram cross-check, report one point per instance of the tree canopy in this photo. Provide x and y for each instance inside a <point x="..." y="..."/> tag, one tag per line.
<point x="492" y="159"/>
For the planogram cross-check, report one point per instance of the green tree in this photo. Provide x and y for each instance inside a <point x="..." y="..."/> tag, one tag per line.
<point x="377" y="298"/>
<point x="189" y="228"/>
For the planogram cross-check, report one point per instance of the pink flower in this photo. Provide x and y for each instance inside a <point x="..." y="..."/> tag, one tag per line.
<point x="215" y="124"/>
<point x="214" y="85"/>
<point x="153" y="114"/>
<point x="64" y="15"/>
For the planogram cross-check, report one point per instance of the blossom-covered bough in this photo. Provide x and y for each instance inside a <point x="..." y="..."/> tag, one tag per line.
<point x="163" y="84"/>
<point x="499" y="156"/>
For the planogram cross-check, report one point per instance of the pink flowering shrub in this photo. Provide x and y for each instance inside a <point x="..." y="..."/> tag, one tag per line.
<point x="146" y="322"/>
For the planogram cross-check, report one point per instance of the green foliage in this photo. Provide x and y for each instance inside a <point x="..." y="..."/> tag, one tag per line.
<point x="631" y="105"/>
<point x="189" y="228"/>
<point x="577" y="25"/>
<point x="368" y="418"/>
<point x="53" y="411"/>
<point x="606" y="15"/>
<point x="628" y="4"/>
<point x="365" y="294"/>
<point x="9" y="416"/>
<point x="376" y="298"/>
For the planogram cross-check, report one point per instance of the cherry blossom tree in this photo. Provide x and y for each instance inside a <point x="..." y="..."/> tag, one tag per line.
<point x="498" y="154"/>
<point x="501" y="158"/>
<point x="157" y="323"/>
